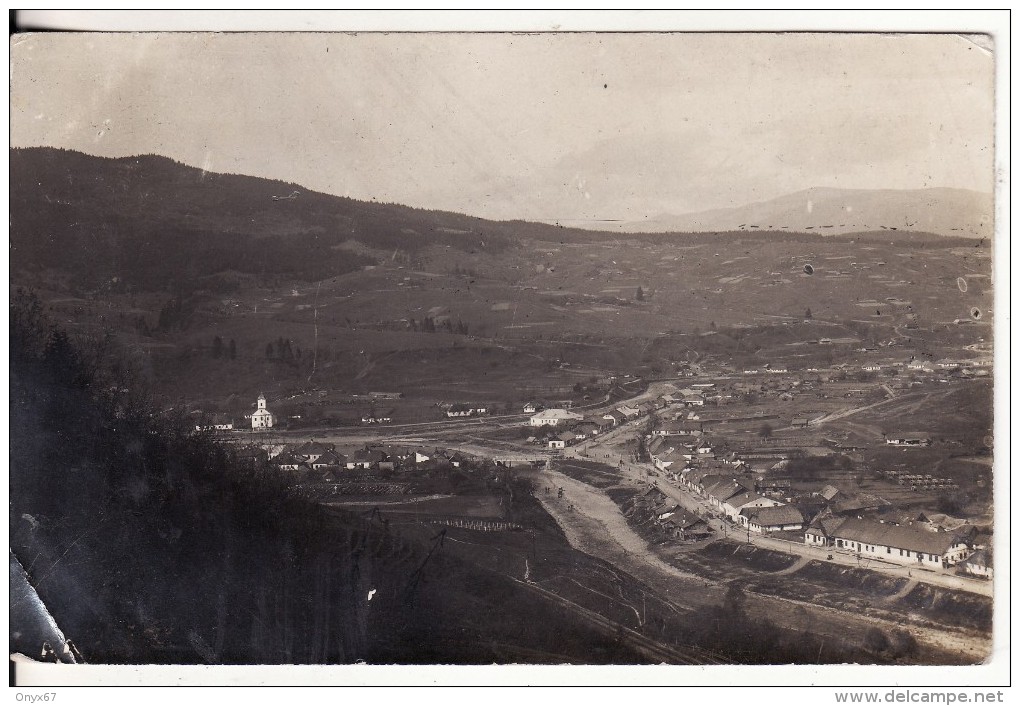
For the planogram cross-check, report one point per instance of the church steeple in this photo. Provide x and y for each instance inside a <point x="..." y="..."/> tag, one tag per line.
<point x="262" y="418"/>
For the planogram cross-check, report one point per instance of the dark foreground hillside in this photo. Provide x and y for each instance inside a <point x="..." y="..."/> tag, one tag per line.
<point x="150" y="545"/>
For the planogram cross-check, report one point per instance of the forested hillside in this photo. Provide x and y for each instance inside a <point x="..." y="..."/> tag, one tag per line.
<point x="149" y="544"/>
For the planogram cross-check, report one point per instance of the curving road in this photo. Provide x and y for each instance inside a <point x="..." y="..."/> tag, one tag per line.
<point x="605" y="449"/>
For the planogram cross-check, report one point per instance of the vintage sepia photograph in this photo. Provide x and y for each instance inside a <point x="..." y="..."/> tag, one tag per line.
<point x="502" y="348"/>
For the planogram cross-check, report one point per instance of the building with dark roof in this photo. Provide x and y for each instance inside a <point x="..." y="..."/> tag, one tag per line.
<point x="329" y="459"/>
<point x="772" y="519"/>
<point x="288" y="461"/>
<point x="310" y="450"/>
<point x="979" y="563"/>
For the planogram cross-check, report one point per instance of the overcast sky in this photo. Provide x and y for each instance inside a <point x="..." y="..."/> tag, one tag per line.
<point x="543" y="127"/>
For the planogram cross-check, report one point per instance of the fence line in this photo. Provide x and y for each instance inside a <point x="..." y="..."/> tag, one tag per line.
<point x="478" y="525"/>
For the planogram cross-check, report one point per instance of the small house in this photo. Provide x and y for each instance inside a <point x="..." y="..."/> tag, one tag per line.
<point x="908" y="439"/>
<point x="329" y="459"/>
<point x="287" y="461"/>
<point x="778" y="518"/>
<point x="310" y="451"/>
<point x="979" y="564"/>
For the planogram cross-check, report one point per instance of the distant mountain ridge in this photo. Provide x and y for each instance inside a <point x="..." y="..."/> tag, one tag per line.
<point x="942" y="211"/>
<point x="148" y="222"/>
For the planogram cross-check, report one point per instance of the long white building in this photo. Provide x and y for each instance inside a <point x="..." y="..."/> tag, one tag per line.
<point x="554" y="418"/>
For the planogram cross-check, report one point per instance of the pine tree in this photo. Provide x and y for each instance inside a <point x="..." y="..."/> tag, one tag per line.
<point x="640" y="294"/>
<point x="217" y="347"/>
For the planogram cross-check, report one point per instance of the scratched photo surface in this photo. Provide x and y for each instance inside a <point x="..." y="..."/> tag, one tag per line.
<point x="458" y="348"/>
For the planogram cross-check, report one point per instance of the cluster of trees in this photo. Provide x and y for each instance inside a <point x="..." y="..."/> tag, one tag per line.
<point x="175" y="315"/>
<point x="810" y="468"/>
<point x="282" y="350"/>
<point x="591" y="388"/>
<point x="219" y="351"/>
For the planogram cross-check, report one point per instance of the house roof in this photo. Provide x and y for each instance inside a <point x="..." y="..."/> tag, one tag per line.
<point x="310" y="448"/>
<point x="826" y="525"/>
<point x="371" y="455"/>
<point x="287" y="458"/>
<point x="725" y="489"/>
<point x="330" y="458"/>
<point x="863" y="501"/>
<point x="557" y="414"/>
<point x="982" y="539"/>
<point x="251" y="452"/>
<point x="982" y="557"/>
<point x="710" y="480"/>
<point x="829" y="492"/>
<point x="683" y="519"/>
<point x="461" y="407"/>
<point x="744" y="498"/>
<point x="774" y="516"/>
<point x="911" y="538"/>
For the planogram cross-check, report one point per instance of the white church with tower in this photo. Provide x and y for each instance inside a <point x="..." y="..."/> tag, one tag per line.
<point x="262" y="418"/>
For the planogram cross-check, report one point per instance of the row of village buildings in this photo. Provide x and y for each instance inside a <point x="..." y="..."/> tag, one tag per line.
<point x="322" y="456"/>
<point x="569" y="428"/>
<point x="740" y="488"/>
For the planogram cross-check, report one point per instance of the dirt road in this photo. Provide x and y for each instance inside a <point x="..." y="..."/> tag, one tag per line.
<point x="592" y="523"/>
<point x="607" y="449"/>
